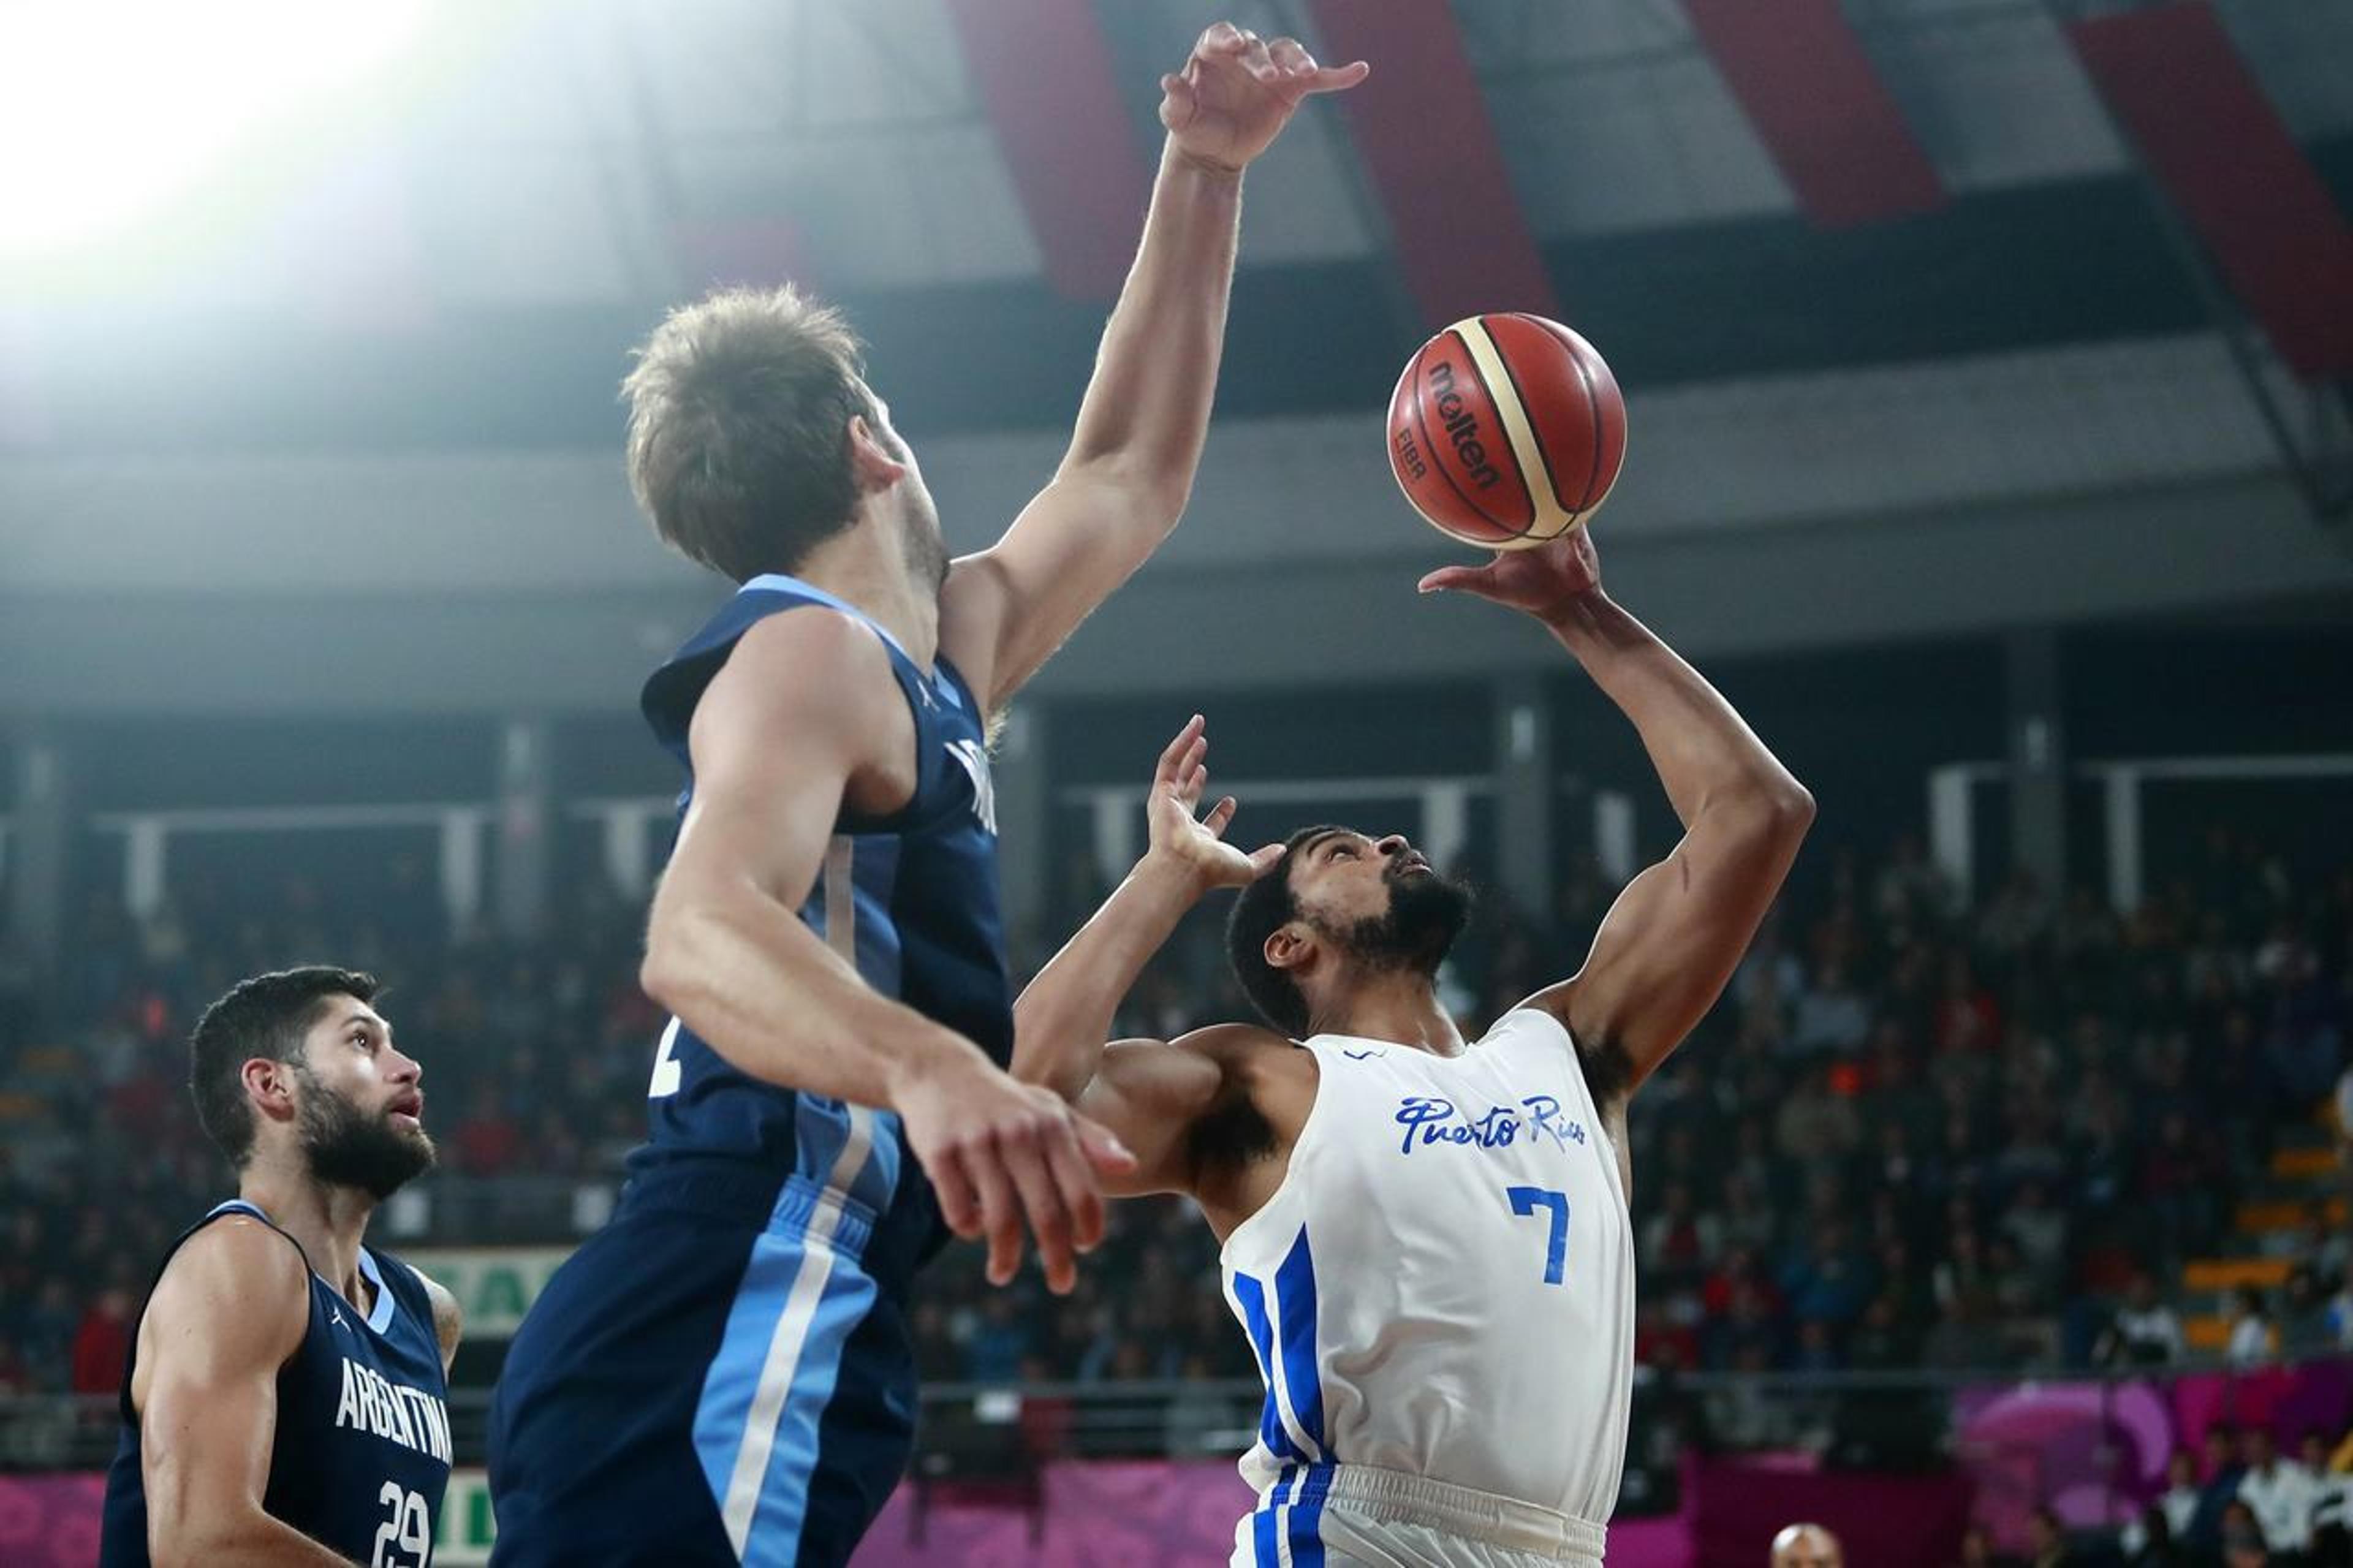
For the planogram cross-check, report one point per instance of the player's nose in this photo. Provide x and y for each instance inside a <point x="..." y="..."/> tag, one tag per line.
<point x="1392" y="847"/>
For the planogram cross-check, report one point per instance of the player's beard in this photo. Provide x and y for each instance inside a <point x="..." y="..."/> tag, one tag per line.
<point x="347" y="1147"/>
<point x="1426" y="913"/>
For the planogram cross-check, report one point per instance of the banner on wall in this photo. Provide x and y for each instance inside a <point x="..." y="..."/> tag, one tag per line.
<point x="495" y="1285"/>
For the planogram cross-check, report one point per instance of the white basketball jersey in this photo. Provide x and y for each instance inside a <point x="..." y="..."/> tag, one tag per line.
<point x="1443" y="1284"/>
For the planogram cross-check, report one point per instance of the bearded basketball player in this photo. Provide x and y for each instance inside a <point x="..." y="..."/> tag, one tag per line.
<point x="1425" y="1239"/>
<point x="284" y="1401"/>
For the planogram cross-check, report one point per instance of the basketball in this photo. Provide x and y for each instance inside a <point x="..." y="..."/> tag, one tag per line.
<point x="1506" y="430"/>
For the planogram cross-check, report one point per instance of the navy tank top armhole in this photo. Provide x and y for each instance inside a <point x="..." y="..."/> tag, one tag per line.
<point x="672" y="692"/>
<point x="235" y="1210"/>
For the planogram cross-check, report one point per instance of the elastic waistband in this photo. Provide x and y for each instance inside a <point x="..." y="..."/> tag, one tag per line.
<point x="748" y="1195"/>
<point x="1397" y="1498"/>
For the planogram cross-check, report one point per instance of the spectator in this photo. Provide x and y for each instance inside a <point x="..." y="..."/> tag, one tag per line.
<point x="1816" y="1124"/>
<point x="2330" y="1516"/>
<point x="1831" y="1017"/>
<point x="2281" y="1493"/>
<point x="1883" y="1342"/>
<point x="2161" y="1534"/>
<point x="1677" y="1241"/>
<point x="2306" y="1326"/>
<point x="2220" y="1490"/>
<point x="2242" y="1539"/>
<point x="2046" y="1539"/>
<point x="2253" y="1339"/>
<point x="2039" y="1231"/>
<point x="101" y="1345"/>
<point x="1976" y="1550"/>
<point x="2150" y="1542"/>
<point x="487" y="1142"/>
<point x="2146" y="1331"/>
<point x="1806" y="1546"/>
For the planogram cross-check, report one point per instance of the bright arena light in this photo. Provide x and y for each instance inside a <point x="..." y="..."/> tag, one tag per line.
<point x="110" y="111"/>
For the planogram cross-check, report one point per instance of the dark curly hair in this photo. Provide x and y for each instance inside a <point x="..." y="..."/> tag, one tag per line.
<point x="266" y="1017"/>
<point x="1262" y="909"/>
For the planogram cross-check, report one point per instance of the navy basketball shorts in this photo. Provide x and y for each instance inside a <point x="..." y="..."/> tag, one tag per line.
<point x="714" y="1377"/>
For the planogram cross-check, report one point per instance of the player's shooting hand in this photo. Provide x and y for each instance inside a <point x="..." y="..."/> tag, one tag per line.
<point x="1004" y="1156"/>
<point x="1544" y="580"/>
<point x="1239" y="90"/>
<point x="1196" y="846"/>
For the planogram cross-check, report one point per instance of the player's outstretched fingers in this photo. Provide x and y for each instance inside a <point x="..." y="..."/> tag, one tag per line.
<point x="959" y="1201"/>
<point x="1041" y="1201"/>
<point x="1172" y="756"/>
<point x="1081" y="1194"/>
<point x="1220" y="815"/>
<point x="1000" y="1211"/>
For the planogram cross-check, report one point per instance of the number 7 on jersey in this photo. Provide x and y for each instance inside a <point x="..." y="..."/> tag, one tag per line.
<point x="1526" y="1201"/>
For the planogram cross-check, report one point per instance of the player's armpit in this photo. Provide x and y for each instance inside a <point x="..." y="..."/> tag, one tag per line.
<point x="1006" y="609"/>
<point x="1672" y="941"/>
<point x="231" y="1309"/>
<point x="1152" y="1093"/>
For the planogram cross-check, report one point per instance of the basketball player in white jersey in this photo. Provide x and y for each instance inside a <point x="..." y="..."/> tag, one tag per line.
<point x="1425" y="1239"/>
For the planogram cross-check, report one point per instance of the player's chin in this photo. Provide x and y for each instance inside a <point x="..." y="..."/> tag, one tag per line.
<point x="411" y="1131"/>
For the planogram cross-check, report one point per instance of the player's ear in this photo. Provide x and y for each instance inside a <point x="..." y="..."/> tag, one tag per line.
<point x="872" y="458"/>
<point x="270" y="1087"/>
<point x="1288" y="946"/>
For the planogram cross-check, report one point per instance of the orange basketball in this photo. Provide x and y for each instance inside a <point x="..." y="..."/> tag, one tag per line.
<point x="1506" y="430"/>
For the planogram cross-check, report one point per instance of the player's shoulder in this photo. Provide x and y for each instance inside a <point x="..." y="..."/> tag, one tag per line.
<point x="238" y="1276"/>
<point x="816" y="670"/>
<point x="243" y="1247"/>
<point x="812" y="649"/>
<point x="448" y="1317"/>
<point x="1236" y="1044"/>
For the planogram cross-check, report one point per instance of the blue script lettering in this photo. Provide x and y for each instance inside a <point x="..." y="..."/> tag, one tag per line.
<point x="1428" y="1120"/>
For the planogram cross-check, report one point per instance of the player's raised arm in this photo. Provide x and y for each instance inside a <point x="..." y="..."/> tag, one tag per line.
<point x="1676" y="935"/>
<point x="1122" y="484"/>
<point x="726" y="953"/>
<point x="229" y="1311"/>
<point x="1147" y="1092"/>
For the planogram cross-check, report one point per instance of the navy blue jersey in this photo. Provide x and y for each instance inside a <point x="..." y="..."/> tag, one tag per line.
<point x="910" y="899"/>
<point x="724" y="1373"/>
<point x="361" y="1453"/>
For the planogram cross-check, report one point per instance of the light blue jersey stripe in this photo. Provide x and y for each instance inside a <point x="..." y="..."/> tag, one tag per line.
<point x="783" y="1508"/>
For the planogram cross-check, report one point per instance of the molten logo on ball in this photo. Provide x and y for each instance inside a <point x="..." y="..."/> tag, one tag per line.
<point x="1462" y="426"/>
<point x="1535" y="430"/>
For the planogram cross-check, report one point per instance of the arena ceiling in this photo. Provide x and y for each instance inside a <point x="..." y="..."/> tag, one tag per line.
<point x="1926" y="323"/>
<point x="465" y="264"/>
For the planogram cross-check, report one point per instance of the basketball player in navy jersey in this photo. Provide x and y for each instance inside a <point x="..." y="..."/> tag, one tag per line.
<point x="1425" y="1239"/>
<point x="283" y="1404"/>
<point x="724" y="1373"/>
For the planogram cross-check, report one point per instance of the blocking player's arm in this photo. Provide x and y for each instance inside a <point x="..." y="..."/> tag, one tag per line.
<point x="1148" y="1093"/>
<point x="229" y="1311"/>
<point x="1673" y="937"/>
<point x="1124" y="482"/>
<point x="449" y="1319"/>
<point x="803" y="720"/>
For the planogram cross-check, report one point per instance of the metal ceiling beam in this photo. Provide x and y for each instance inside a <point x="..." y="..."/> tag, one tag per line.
<point x="2221" y="152"/>
<point x="1820" y="107"/>
<point x="1068" y="142"/>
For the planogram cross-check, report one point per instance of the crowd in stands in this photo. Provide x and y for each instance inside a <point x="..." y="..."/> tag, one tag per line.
<point x="1914" y="1133"/>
